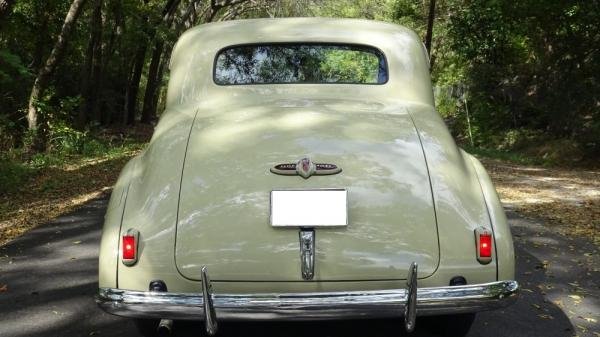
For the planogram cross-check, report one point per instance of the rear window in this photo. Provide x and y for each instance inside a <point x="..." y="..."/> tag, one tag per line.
<point x="300" y="63"/>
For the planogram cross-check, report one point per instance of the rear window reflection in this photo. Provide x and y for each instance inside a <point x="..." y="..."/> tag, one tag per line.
<point x="300" y="63"/>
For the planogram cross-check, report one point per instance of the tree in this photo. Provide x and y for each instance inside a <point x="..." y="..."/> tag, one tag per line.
<point x="162" y="48"/>
<point x="39" y="85"/>
<point x="430" y="19"/>
<point x="527" y="68"/>
<point x="154" y="71"/>
<point x="5" y="9"/>
<point x="91" y="78"/>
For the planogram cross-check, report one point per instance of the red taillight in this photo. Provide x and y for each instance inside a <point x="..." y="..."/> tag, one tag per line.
<point x="129" y="247"/>
<point x="485" y="245"/>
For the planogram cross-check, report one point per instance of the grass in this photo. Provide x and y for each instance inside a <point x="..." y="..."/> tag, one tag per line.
<point x="509" y="156"/>
<point x="16" y="174"/>
<point x="13" y="175"/>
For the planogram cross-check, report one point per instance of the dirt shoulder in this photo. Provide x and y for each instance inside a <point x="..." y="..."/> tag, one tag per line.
<point x="57" y="190"/>
<point x="568" y="199"/>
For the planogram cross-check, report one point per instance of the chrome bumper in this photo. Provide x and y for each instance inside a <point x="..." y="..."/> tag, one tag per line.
<point x="408" y="303"/>
<point x="308" y="306"/>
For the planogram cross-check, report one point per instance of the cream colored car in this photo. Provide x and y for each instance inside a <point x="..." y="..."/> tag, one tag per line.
<point x="300" y="171"/>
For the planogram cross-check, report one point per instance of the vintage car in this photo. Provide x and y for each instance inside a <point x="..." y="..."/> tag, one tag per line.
<point x="300" y="171"/>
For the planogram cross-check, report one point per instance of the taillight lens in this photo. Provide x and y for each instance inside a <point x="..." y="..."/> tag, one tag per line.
<point x="129" y="247"/>
<point x="483" y="245"/>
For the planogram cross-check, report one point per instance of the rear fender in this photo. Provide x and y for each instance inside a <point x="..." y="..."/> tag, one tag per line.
<point x="459" y="203"/>
<point x="505" y="256"/>
<point x="109" y="244"/>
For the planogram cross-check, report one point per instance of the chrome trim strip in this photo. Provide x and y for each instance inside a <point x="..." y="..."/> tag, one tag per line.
<point x="308" y="306"/>
<point x="410" y="309"/>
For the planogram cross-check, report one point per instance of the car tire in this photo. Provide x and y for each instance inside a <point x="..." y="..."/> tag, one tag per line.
<point x="147" y="327"/>
<point x="451" y="325"/>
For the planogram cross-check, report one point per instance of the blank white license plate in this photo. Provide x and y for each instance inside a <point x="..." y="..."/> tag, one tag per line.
<point x="309" y="208"/>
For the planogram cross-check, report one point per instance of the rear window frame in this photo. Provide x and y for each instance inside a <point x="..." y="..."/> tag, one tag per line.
<point x="298" y="43"/>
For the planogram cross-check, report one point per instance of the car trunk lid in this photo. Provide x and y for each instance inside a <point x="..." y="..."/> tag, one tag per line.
<point x="224" y="209"/>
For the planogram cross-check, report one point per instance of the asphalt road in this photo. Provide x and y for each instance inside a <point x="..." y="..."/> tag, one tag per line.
<point x="50" y="275"/>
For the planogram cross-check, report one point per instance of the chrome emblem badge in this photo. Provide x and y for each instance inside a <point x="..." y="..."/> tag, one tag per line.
<point x="305" y="168"/>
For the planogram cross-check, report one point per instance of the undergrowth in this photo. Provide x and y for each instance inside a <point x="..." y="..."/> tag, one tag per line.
<point x="65" y="147"/>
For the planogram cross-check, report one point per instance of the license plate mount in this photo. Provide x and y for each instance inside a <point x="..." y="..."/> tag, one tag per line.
<point x="309" y="208"/>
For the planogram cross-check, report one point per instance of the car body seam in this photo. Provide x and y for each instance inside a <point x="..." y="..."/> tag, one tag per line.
<point x="430" y="191"/>
<point x="187" y="144"/>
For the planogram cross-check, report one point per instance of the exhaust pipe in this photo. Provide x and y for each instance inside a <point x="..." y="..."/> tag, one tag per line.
<point x="165" y="327"/>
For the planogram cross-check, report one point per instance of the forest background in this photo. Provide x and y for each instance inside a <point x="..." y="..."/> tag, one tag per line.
<point x="84" y="80"/>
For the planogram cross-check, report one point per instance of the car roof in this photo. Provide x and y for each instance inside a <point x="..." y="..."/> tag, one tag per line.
<point x="307" y="29"/>
<point x="192" y="60"/>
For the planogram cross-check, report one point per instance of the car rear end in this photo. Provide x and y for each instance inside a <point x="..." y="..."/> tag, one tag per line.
<point x="290" y="195"/>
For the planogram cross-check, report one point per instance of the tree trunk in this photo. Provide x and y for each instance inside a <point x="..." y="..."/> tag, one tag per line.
<point x="430" y="19"/>
<point x="159" y="54"/>
<point x="134" y="83"/>
<point x="41" y="81"/>
<point x="159" y="84"/>
<point x="41" y="44"/>
<point x="114" y="35"/>
<point x="123" y="69"/>
<point x="153" y="82"/>
<point x="92" y="66"/>
<point x="149" y="109"/>
<point x="96" y="74"/>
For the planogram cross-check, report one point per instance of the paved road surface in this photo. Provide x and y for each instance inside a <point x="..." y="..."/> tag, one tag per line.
<point x="51" y="277"/>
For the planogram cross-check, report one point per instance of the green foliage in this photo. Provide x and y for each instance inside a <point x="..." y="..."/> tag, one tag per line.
<point x="351" y="66"/>
<point x="7" y="140"/>
<point x="11" y="65"/>
<point x="410" y="13"/>
<point x="65" y="139"/>
<point x="515" y="157"/>
<point x="532" y="66"/>
<point x="13" y="175"/>
<point x="529" y="68"/>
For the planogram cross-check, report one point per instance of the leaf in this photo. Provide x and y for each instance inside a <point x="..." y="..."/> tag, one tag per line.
<point x="544" y="316"/>
<point x="590" y="320"/>
<point x="575" y="297"/>
<point x="77" y="242"/>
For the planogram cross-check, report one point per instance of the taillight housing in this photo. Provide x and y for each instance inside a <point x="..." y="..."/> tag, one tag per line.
<point x="484" y="245"/>
<point x="129" y="247"/>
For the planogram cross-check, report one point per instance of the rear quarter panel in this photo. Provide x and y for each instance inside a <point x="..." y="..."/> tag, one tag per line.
<point x="502" y="236"/>
<point x="459" y="202"/>
<point x="145" y="198"/>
